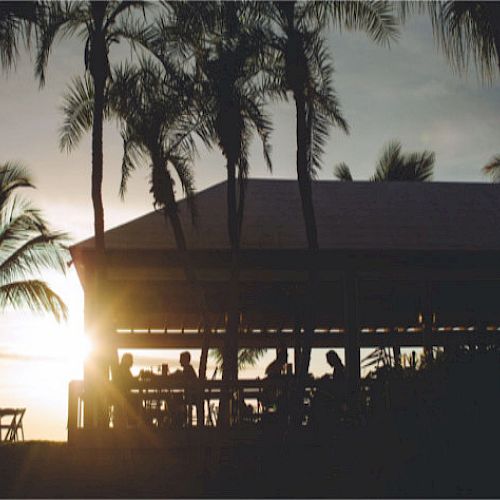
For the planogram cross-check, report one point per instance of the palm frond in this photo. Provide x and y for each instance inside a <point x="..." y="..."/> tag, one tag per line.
<point x="420" y="166"/>
<point x="34" y="254"/>
<point x="56" y="19"/>
<point x="27" y="247"/>
<point x="34" y="295"/>
<point x="246" y="357"/>
<point x="469" y="32"/>
<point x="389" y="162"/>
<point x="376" y="18"/>
<point x="342" y="172"/>
<point x="12" y="176"/>
<point x="16" y="22"/>
<point x="492" y="168"/>
<point x="394" y="165"/>
<point x="78" y="110"/>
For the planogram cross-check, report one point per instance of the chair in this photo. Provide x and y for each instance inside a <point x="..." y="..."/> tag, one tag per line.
<point x="14" y="429"/>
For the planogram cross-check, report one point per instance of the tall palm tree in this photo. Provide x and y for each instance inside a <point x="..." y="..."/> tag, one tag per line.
<point x="159" y="117"/>
<point x="227" y="45"/>
<point x="303" y="68"/>
<point x="27" y="247"/>
<point x="394" y="165"/>
<point x="98" y="23"/>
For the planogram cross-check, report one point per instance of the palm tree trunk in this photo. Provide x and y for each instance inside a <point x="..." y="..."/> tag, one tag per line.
<point x="98" y="373"/>
<point x="105" y="356"/>
<point x="172" y="215"/>
<point x="305" y="188"/>
<point x="230" y="354"/>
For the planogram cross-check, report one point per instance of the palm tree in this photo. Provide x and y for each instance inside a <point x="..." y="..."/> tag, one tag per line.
<point x="27" y="247"/>
<point x="303" y="68"/>
<point x="393" y="165"/>
<point x="97" y="22"/>
<point x="227" y="45"/>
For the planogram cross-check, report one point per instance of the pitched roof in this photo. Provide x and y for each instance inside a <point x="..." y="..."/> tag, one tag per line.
<point x="350" y="216"/>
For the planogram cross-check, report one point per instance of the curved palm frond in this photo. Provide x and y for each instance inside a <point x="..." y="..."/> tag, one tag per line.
<point x="34" y="295"/>
<point x="16" y="22"/>
<point x="27" y="247"/>
<point x="246" y="357"/>
<point x="78" y="111"/>
<point x="12" y="176"/>
<point x="468" y="32"/>
<point x="492" y="168"/>
<point x="342" y="172"/>
<point x="390" y="162"/>
<point x="376" y="18"/>
<point x="394" y="165"/>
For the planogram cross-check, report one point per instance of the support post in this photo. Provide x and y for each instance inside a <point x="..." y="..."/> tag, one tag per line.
<point x="427" y="320"/>
<point x="97" y="366"/>
<point x="351" y="315"/>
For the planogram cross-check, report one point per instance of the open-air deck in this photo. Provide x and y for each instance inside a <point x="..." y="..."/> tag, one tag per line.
<point x="400" y="264"/>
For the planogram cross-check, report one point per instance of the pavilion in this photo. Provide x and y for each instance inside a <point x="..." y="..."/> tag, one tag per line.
<point x="400" y="263"/>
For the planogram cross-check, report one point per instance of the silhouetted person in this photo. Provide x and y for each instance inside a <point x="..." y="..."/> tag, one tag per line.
<point x="275" y="395"/>
<point x="124" y="380"/>
<point x="187" y="377"/>
<point x="277" y="367"/>
<point x="330" y="400"/>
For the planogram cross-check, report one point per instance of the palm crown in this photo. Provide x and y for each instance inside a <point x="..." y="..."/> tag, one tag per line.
<point x="27" y="248"/>
<point x="394" y="165"/>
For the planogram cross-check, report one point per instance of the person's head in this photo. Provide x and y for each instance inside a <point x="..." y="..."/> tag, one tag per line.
<point x="333" y="360"/>
<point x="185" y="359"/>
<point x="127" y="360"/>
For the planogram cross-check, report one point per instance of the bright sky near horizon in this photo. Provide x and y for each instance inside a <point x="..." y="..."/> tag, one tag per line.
<point x="407" y="92"/>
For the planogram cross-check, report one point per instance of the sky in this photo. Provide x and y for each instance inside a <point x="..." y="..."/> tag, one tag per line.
<point x="406" y="92"/>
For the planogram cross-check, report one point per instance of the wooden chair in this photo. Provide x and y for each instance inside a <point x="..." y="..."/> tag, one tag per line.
<point x="14" y="429"/>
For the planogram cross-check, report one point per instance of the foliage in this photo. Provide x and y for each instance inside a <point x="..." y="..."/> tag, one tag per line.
<point x="27" y="248"/>
<point x="492" y="168"/>
<point x="467" y="32"/>
<point x="246" y="357"/>
<point x="16" y="22"/>
<point x="393" y="165"/>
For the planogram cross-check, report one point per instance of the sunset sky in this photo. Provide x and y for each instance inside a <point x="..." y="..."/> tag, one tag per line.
<point x="407" y="92"/>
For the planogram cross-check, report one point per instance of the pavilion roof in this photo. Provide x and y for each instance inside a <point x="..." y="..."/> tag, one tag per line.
<point x="350" y="216"/>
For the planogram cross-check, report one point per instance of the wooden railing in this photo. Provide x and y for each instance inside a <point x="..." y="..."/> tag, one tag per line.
<point x="152" y="400"/>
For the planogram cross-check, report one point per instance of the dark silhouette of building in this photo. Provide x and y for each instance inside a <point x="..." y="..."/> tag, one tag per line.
<point x="400" y="264"/>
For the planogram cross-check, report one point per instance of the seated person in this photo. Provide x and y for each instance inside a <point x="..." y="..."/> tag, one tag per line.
<point x="330" y="400"/>
<point x="274" y="397"/>
<point x="177" y="402"/>
<point x="123" y="381"/>
<point x="277" y="367"/>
